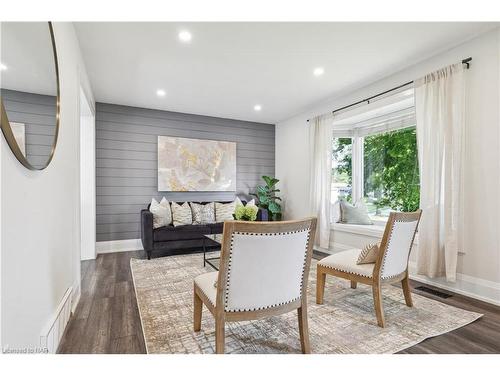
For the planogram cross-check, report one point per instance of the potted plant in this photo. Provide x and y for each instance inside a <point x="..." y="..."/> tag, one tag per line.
<point x="267" y="199"/>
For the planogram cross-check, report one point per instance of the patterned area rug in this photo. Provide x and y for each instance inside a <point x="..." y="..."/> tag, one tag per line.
<point x="345" y="323"/>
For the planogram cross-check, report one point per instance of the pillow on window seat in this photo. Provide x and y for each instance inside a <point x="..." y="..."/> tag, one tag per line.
<point x="357" y="214"/>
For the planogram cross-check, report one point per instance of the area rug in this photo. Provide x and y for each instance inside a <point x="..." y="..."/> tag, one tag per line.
<point x="345" y="323"/>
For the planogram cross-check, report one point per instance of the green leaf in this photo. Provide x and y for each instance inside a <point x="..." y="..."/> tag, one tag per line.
<point x="261" y="190"/>
<point x="267" y="180"/>
<point x="264" y="200"/>
<point x="274" y="207"/>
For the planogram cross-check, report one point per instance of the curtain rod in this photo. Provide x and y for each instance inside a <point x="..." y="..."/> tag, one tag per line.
<point x="367" y="100"/>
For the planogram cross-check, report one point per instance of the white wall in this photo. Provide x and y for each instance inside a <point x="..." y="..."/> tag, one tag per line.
<point x="482" y="258"/>
<point x="40" y="216"/>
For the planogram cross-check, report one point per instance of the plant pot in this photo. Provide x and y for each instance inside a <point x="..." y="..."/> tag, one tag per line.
<point x="263" y="214"/>
<point x="276" y="217"/>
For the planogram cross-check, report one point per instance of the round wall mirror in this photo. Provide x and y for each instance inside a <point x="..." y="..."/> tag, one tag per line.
<point x="29" y="91"/>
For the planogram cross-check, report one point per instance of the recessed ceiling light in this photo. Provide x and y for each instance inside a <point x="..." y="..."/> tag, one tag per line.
<point x="185" y="36"/>
<point x="161" y="92"/>
<point x="257" y="107"/>
<point x="3" y="66"/>
<point x="318" y="71"/>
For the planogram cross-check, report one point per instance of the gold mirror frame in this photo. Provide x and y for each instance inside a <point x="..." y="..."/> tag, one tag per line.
<point x="5" y="124"/>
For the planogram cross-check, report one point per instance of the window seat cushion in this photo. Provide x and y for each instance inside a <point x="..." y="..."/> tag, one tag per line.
<point x="368" y="230"/>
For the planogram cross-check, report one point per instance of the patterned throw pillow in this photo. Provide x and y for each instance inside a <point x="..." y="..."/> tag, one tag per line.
<point x="225" y="211"/>
<point x="181" y="214"/>
<point x="369" y="254"/>
<point x="203" y="213"/>
<point x="162" y="215"/>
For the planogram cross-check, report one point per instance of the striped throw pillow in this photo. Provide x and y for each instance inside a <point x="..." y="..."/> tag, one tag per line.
<point x="181" y="214"/>
<point x="225" y="211"/>
<point x="369" y="254"/>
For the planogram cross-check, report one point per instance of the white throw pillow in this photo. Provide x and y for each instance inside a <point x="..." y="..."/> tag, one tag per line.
<point x="251" y="203"/>
<point x="162" y="215"/>
<point x="181" y="214"/>
<point x="225" y="211"/>
<point x="354" y="214"/>
<point x="335" y="212"/>
<point x="203" y="213"/>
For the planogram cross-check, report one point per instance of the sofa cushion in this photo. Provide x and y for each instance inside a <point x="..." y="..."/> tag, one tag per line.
<point x="181" y="232"/>
<point x="216" y="228"/>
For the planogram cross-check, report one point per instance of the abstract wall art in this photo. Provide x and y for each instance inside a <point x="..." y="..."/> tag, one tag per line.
<point x="186" y="164"/>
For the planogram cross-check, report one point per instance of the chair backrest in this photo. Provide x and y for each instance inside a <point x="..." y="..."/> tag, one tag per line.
<point x="264" y="264"/>
<point x="396" y="244"/>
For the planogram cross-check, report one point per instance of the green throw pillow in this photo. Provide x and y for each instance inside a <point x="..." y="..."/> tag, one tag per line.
<point x="350" y="214"/>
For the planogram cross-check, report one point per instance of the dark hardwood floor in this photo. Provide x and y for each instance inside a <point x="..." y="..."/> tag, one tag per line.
<point x="107" y="319"/>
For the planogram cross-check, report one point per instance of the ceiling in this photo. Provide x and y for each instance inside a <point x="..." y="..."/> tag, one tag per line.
<point x="228" y="68"/>
<point x="27" y="55"/>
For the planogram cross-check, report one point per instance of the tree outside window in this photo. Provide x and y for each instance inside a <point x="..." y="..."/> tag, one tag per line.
<point x="341" y="169"/>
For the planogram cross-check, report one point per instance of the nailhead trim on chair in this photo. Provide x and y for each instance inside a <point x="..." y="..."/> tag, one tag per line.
<point x="208" y="299"/>
<point x="340" y="269"/>
<point x="229" y="270"/>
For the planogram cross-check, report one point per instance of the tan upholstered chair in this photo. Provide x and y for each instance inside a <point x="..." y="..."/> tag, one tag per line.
<point x="263" y="272"/>
<point x="391" y="265"/>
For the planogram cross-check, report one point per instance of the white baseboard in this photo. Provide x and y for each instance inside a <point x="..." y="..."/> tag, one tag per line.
<point x="104" y="247"/>
<point x="75" y="297"/>
<point x="52" y="333"/>
<point x="473" y="287"/>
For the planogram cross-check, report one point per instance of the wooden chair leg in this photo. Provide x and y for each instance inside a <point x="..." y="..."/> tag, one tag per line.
<point x="220" y="334"/>
<point x="304" y="330"/>
<point x="377" y="300"/>
<point x="320" y="286"/>
<point x="354" y="284"/>
<point x="198" y="309"/>
<point x="406" y="291"/>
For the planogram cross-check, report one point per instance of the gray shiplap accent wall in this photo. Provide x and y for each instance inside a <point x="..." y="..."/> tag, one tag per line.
<point x="127" y="161"/>
<point x="38" y="114"/>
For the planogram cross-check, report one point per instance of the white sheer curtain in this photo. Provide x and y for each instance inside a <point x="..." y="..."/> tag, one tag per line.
<point x="320" y="175"/>
<point x="440" y="113"/>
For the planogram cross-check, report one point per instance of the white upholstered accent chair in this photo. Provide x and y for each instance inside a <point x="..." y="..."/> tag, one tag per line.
<point x="264" y="268"/>
<point x="391" y="265"/>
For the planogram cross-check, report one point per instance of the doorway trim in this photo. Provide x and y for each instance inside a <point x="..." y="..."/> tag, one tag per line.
<point x="87" y="179"/>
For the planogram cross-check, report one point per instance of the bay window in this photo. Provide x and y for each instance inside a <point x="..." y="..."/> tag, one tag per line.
<point x="374" y="158"/>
